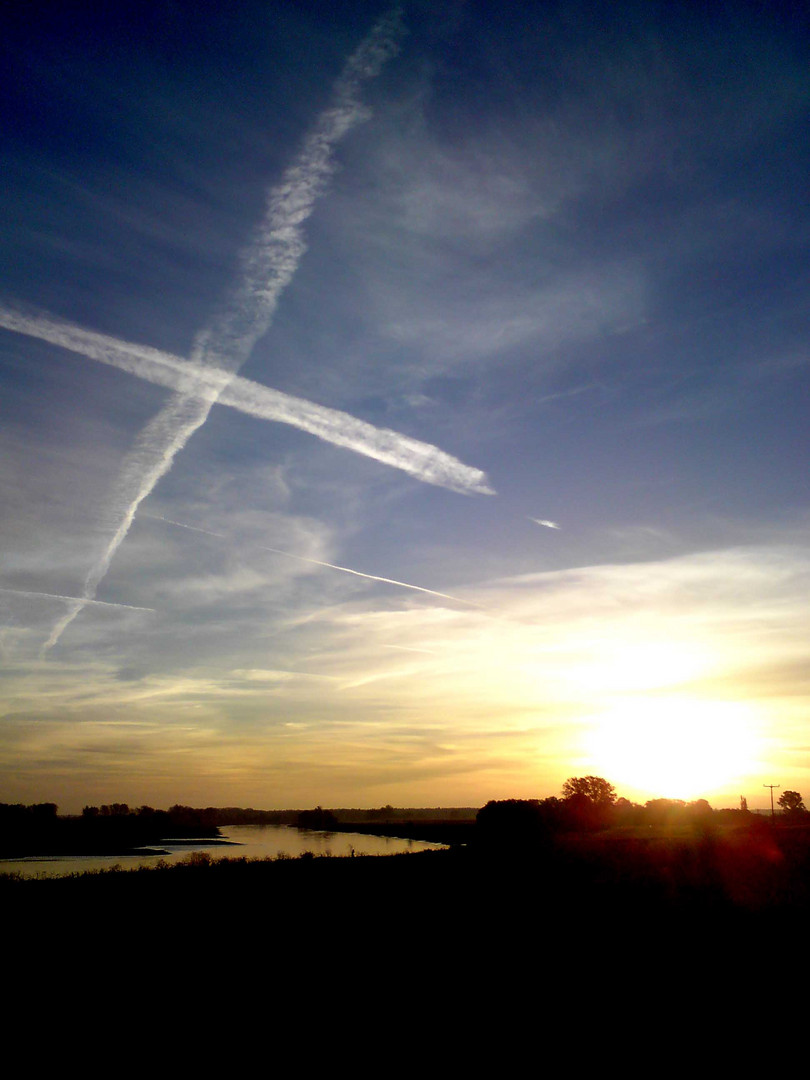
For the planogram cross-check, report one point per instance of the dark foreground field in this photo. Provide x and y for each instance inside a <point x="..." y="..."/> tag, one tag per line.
<point x="586" y="943"/>
<point x="581" y="886"/>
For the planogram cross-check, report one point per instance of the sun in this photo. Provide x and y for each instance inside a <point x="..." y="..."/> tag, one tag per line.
<point x="678" y="748"/>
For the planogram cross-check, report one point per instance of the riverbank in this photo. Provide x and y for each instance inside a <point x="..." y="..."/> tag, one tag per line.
<point x="743" y="870"/>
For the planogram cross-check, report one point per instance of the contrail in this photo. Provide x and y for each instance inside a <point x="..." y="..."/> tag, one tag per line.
<point x="410" y="648"/>
<point x="548" y="524"/>
<point x="319" y="562"/>
<point x="75" y="600"/>
<point x="202" y="384"/>
<point x="191" y="528"/>
<point x="371" y="577"/>
<point x="149" y="459"/>
<point x="268" y="266"/>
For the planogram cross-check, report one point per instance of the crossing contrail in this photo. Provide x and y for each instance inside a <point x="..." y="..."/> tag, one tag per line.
<point x="74" y="599"/>
<point x="203" y="384"/>
<point x="268" y="266"/>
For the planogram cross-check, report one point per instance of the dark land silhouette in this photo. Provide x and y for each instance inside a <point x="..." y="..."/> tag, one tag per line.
<point x="117" y="829"/>
<point x="100" y="830"/>
<point x="602" y="911"/>
<point x="665" y="855"/>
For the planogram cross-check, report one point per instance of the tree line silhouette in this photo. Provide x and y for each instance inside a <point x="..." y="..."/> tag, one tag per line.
<point x="587" y="804"/>
<point x="113" y="829"/>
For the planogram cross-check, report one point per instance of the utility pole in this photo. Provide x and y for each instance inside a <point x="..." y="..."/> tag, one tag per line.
<point x="772" y="786"/>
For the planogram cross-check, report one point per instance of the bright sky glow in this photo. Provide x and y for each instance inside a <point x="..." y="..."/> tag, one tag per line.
<point x="403" y="406"/>
<point x="679" y="745"/>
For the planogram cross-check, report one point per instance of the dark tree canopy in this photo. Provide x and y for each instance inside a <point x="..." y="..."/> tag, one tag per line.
<point x="509" y="814"/>
<point x="509" y="824"/>
<point x="318" y="819"/>
<point x="593" y="788"/>
<point x="792" y="802"/>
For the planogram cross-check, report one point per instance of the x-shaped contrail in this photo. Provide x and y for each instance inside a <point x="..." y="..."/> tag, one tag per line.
<point x="223" y="346"/>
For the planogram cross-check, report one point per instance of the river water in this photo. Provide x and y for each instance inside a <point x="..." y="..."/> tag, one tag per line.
<point x="244" y="841"/>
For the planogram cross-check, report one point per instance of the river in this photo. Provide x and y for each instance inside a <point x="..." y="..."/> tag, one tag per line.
<point x="243" y="841"/>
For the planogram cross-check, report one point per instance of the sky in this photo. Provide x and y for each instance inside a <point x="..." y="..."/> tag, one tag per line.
<point x="403" y="405"/>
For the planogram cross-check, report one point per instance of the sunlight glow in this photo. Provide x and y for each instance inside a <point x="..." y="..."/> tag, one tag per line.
<point x="678" y="748"/>
<point x="630" y="665"/>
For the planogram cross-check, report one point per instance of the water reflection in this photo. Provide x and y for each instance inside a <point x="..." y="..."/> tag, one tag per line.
<point x="243" y="841"/>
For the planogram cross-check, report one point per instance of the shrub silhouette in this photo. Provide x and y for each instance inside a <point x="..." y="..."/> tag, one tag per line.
<point x="511" y="823"/>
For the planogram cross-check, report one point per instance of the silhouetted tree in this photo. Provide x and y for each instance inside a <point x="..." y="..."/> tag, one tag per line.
<point x="317" y="819"/>
<point x="627" y="813"/>
<point x="597" y="791"/>
<point x="792" y="803"/>
<point x="587" y="802"/>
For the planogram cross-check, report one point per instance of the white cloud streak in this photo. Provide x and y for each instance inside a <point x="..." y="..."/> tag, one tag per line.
<point x="371" y="577"/>
<point x="272" y="259"/>
<point x="203" y="386"/>
<point x="410" y="648"/>
<point x="547" y="524"/>
<point x="181" y="525"/>
<point x="268" y="266"/>
<point x="319" y="562"/>
<point x="74" y="599"/>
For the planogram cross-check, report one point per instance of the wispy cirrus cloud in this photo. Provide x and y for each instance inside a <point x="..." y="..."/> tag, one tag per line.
<point x="591" y="637"/>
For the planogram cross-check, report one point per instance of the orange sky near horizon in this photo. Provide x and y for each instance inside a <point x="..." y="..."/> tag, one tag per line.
<point x="546" y="677"/>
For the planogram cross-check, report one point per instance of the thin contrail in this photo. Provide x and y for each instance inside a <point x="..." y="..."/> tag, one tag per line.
<point x="319" y="562"/>
<point x="181" y="525"/>
<point x="547" y="524"/>
<point x="205" y="384"/>
<point x="75" y="599"/>
<point x="371" y="577"/>
<point x="268" y="266"/>
<point x="410" y="648"/>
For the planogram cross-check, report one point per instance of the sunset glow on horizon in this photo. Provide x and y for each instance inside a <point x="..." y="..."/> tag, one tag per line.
<point x="680" y="748"/>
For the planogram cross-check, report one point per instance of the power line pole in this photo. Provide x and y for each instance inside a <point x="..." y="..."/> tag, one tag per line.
<point x="772" y="786"/>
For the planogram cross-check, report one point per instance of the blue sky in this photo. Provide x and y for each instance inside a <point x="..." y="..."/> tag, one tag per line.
<point x="503" y="312"/>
